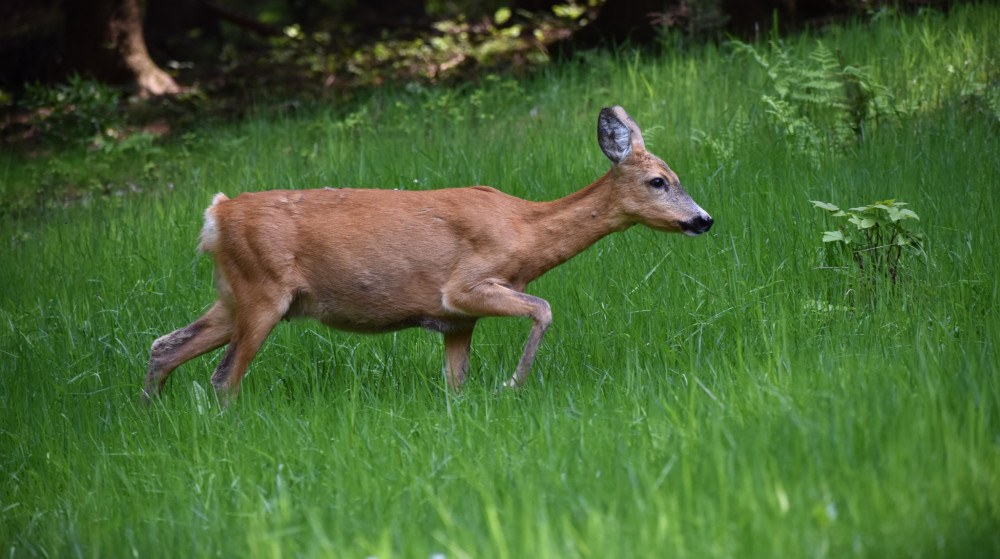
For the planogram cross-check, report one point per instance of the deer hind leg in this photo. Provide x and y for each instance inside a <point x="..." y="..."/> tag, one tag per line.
<point x="457" y="347"/>
<point x="209" y="332"/>
<point x="253" y="324"/>
<point x="493" y="299"/>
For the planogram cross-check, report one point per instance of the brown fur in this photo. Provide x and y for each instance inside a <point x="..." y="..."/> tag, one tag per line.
<point x="381" y="260"/>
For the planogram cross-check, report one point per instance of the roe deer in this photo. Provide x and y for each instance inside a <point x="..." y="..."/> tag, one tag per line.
<point x="382" y="260"/>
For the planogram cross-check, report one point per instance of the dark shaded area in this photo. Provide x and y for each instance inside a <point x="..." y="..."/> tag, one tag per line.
<point x="216" y="54"/>
<point x="642" y="21"/>
<point x="43" y="40"/>
<point x="183" y="29"/>
<point x="31" y="43"/>
<point x="105" y="40"/>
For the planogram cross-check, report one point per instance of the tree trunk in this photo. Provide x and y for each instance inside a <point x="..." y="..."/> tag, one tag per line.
<point x="104" y="40"/>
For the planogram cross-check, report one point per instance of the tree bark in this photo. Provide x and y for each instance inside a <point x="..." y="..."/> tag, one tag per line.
<point x="104" y="40"/>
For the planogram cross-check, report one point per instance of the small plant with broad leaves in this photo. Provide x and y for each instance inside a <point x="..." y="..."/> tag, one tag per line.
<point x="875" y="237"/>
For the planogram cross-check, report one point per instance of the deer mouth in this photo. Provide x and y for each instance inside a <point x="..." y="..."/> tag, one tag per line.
<point x="697" y="226"/>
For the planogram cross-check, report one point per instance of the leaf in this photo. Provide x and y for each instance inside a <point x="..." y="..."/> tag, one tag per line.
<point x="825" y="206"/>
<point x="200" y="398"/>
<point x="502" y="15"/>
<point x="833" y="237"/>
<point x="863" y="222"/>
<point x="822" y="306"/>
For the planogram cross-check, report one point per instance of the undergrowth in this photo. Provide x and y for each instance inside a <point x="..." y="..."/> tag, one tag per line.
<point x="818" y="101"/>
<point x="712" y="397"/>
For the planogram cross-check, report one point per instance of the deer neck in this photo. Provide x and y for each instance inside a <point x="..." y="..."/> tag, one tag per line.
<point x="567" y="226"/>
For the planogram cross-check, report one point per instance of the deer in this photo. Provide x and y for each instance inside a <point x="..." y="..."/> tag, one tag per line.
<point x="378" y="260"/>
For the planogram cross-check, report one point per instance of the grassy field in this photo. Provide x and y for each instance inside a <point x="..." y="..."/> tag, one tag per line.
<point x="726" y="396"/>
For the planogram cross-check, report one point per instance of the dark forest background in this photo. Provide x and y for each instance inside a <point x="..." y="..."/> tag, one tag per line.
<point x="216" y="55"/>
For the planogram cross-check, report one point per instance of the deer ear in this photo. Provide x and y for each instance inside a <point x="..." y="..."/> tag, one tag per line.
<point x="617" y="134"/>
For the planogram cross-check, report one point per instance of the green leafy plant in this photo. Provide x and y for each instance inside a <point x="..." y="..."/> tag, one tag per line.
<point x="77" y="112"/>
<point x="982" y="96"/>
<point x="724" y="145"/>
<point x="875" y="237"/>
<point x="819" y="101"/>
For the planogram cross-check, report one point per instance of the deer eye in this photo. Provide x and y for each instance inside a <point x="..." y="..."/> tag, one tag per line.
<point x="658" y="183"/>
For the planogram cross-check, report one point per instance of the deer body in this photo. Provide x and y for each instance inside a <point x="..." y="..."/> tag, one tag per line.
<point x="381" y="260"/>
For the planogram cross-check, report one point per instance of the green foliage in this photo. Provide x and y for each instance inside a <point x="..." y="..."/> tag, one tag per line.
<point x="77" y="112"/>
<point x="819" y="102"/>
<point x="80" y="140"/>
<point x="983" y="95"/>
<point x="456" y="48"/>
<point x="724" y="145"/>
<point x="109" y="165"/>
<point x="874" y="237"/>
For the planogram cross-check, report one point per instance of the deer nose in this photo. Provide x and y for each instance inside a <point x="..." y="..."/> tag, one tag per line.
<point x="698" y="225"/>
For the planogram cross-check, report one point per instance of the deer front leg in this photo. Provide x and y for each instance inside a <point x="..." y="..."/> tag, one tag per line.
<point x="493" y="299"/>
<point x="531" y="347"/>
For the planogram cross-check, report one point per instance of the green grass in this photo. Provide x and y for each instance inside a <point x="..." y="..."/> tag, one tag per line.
<point x="689" y="401"/>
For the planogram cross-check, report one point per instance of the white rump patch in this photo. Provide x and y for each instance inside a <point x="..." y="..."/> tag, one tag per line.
<point x="210" y="231"/>
<point x="219" y="197"/>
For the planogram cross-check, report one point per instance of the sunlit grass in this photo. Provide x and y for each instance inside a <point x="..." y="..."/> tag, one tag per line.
<point x="708" y="397"/>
